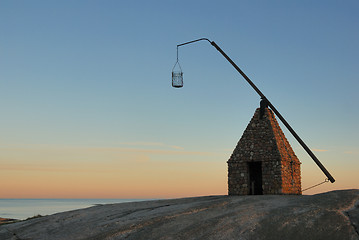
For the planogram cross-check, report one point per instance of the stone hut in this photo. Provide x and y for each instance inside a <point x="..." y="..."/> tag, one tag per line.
<point x="263" y="161"/>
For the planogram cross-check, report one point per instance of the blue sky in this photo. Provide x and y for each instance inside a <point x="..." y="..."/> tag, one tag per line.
<point x="97" y="74"/>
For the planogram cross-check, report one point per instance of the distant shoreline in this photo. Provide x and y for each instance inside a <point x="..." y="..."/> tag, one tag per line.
<point x="26" y="208"/>
<point x="8" y="220"/>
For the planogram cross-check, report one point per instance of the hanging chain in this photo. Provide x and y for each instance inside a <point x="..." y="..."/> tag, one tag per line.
<point x="177" y="63"/>
<point x="325" y="181"/>
<point x="177" y="53"/>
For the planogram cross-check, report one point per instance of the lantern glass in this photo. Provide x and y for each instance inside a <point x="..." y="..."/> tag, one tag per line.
<point x="177" y="79"/>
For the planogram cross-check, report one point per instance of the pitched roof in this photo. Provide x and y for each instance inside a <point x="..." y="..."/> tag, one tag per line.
<point x="263" y="140"/>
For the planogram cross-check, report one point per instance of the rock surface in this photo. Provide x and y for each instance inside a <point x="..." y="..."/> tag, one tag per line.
<point x="332" y="215"/>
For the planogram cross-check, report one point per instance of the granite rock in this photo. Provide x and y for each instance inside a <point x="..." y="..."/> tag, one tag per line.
<point x="332" y="215"/>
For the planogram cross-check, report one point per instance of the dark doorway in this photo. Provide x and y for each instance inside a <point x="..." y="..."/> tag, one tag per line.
<point x="255" y="178"/>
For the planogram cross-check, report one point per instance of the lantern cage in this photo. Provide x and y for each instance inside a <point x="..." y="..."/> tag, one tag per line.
<point x="177" y="76"/>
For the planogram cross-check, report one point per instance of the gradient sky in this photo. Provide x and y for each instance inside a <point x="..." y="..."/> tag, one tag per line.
<point x="88" y="111"/>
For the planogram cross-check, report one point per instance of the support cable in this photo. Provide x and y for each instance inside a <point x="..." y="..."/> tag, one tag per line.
<point x="316" y="185"/>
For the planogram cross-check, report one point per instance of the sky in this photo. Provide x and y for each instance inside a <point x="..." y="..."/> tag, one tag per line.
<point x="88" y="111"/>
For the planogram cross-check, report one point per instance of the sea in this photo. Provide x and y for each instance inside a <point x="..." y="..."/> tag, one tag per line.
<point x="26" y="208"/>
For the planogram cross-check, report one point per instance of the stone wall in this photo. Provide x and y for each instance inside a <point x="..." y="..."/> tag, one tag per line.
<point x="263" y="141"/>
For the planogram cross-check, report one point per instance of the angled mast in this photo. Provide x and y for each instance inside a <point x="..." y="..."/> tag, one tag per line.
<point x="265" y="101"/>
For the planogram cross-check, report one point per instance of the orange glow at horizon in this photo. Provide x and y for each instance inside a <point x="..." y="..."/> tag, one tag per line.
<point x="62" y="172"/>
<point x="108" y="173"/>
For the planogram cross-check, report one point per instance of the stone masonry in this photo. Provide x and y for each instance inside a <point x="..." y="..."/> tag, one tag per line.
<point x="264" y="146"/>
